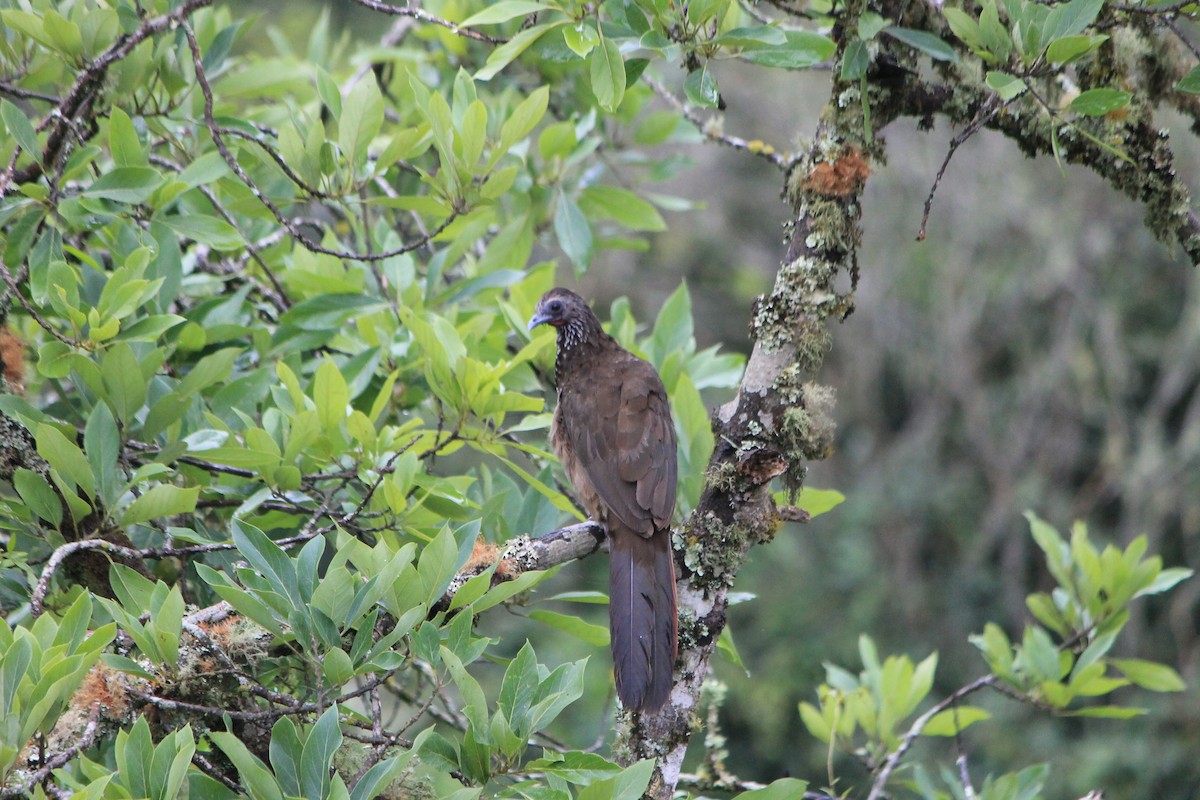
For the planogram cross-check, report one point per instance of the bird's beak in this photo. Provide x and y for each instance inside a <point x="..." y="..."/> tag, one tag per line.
<point x="537" y="319"/>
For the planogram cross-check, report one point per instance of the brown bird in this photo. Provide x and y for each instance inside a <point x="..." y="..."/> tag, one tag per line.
<point x="613" y="433"/>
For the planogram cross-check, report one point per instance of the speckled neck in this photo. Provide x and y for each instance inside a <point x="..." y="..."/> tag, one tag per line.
<point x="580" y="334"/>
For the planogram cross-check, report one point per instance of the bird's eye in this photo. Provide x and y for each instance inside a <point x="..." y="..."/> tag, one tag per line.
<point x="555" y="307"/>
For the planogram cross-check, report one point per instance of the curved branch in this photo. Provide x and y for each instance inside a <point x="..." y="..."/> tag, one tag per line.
<point x="893" y="758"/>
<point x="62" y="553"/>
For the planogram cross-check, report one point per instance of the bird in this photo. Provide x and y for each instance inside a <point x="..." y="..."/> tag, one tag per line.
<point x="613" y="433"/>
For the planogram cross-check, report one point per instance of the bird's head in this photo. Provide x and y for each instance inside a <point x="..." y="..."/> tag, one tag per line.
<point x="570" y="315"/>
<point x="558" y="307"/>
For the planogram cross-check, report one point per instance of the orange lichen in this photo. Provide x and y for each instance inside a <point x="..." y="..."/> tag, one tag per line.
<point x="12" y="351"/>
<point x="844" y="175"/>
<point x="482" y="555"/>
<point x="104" y="686"/>
<point x="220" y="630"/>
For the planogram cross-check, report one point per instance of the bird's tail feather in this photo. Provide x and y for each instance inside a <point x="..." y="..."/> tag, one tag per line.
<point x="642" y="617"/>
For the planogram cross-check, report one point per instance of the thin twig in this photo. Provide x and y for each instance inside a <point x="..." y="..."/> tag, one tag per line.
<point x="425" y="16"/>
<point x="210" y="769"/>
<point x="707" y="128"/>
<point x="893" y="758"/>
<point x="27" y="94"/>
<point x="984" y="115"/>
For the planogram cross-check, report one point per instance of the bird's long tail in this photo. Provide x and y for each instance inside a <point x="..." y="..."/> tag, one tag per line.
<point x="641" y="616"/>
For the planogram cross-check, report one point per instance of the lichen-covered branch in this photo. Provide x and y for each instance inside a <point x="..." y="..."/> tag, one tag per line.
<point x="779" y="419"/>
<point x="1128" y="148"/>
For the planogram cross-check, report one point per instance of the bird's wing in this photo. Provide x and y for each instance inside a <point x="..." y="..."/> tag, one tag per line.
<point x="623" y="436"/>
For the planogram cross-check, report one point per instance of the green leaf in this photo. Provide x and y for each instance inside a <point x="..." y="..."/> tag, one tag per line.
<point x="206" y="169"/>
<point x="964" y="26"/>
<point x="782" y="789"/>
<point x="573" y="232"/>
<point x="66" y="457"/>
<point x="123" y="141"/>
<point x="1071" y="18"/>
<point x="756" y="36"/>
<point x="14" y="664"/>
<point x="21" y="128"/>
<point x="996" y="38"/>
<point x="628" y="784"/>
<point x="621" y="206"/>
<point x="1165" y="580"/>
<point x="375" y="781"/>
<point x="269" y="560"/>
<point x="801" y="49"/>
<point x="581" y="38"/>
<point x="216" y="233"/>
<point x="102" y="443"/>
<point x="284" y="753"/>
<point x="1040" y="655"/>
<point x="1070" y="48"/>
<point x="608" y="75"/>
<point x="524" y="118"/>
<point x="473" y="133"/>
<point x="1150" y="675"/>
<point x="1098" y="102"/>
<point x="502" y="12"/>
<point x="331" y="394"/>
<point x="129" y="665"/>
<point x="1108" y="712"/>
<point x="475" y="703"/>
<point x="64" y="33"/>
<point x="1190" y="83"/>
<point x="924" y="41"/>
<point x="954" y="720"/>
<point x="36" y="493"/>
<point x="517" y="690"/>
<point x="163" y="500"/>
<point x="254" y="774"/>
<point x="574" y="766"/>
<point x="632" y="781"/>
<point x="361" y="119"/>
<point x="1005" y="85"/>
<point x="329" y="93"/>
<point x="126" y="184"/>
<point x="817" y="501"/>
<point x="700" y="86"/>
<point x="595" y="635"/>
<point x="122" y="376"/>
<point x="503" y="55"/>
<point x="870" y="24"/>
<point x="324" y="738"/>
<point x="727" y="647"/>
<point x="501" y="592"/>
<point x="856" y="60"/>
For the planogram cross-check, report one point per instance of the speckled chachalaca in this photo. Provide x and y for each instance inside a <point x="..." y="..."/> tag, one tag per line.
<point x="614" y="435"/>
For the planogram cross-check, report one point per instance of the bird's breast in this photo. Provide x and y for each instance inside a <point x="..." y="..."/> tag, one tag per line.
<point x="560" y="442"/>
